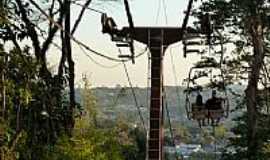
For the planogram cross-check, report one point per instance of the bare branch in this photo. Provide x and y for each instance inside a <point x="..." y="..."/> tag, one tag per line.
<point x="52" y="33"/>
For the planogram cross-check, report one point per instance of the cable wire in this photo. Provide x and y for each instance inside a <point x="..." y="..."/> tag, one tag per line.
<point x="98" y="63"/>
<point x="169" y="121"/>
<point x="158" y="11"/>
<point x="74" y="39"/>
<point x="165" y="11"/>
<point x="177" y="89"/>
<point x="89" y="8"/>
<point x="134" y="95"/>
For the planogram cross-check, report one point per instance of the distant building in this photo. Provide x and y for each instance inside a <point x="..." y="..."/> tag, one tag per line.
<point x="169" y="149"/>
<point x="187" y="149"/>
<point x="183" y="150"/>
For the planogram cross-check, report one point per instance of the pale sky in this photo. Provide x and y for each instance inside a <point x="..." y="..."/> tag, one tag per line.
<point x="144" y="14"/>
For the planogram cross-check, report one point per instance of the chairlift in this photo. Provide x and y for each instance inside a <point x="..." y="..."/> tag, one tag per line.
<point x="123" y="39"/>
<point x="206" y="37"/>
<point x="215" y="109"/>
<point x="108" y="24"/>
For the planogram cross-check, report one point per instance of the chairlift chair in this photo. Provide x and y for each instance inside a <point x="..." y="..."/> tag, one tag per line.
<point x="202" y="113"/>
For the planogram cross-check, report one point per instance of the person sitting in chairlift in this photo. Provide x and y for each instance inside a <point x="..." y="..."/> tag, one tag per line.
<point x="200" y="105"/>
<point x="199" y="99"/>
<point x="213" y="103"/>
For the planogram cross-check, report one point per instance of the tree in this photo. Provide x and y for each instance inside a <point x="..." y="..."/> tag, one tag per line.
<point x="89" y="102"/>
<point x="34" y="95"/>
<point x="39" y="107"/>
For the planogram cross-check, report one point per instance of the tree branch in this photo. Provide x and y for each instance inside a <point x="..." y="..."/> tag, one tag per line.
<point x="30" y="29"/>
<point x="51" y="34"/>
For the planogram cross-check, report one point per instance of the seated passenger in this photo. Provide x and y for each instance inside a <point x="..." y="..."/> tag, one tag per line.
<point x="199" y="104"/>
<point x="213" y="103"/>
<point x="109" y="26"/>
<point x="199" y="99"/>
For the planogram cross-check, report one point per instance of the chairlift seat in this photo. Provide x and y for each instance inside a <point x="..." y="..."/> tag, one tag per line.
<point x="198" y="112"/>
<point x="1" y="137"/>
<point x="216" y="114"/>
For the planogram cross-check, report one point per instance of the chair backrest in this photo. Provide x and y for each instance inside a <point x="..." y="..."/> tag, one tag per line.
<point x="216" y="114"/>
<point x="198" y="112"/>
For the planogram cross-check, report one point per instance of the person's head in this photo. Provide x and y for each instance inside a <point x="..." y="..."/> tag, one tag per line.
<point x="214" y="93"/>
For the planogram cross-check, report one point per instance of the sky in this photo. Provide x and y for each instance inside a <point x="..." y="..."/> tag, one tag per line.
<point x="145" y="13"/>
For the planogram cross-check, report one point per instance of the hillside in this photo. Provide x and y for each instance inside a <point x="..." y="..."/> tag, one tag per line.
<point x="115" y="102"/>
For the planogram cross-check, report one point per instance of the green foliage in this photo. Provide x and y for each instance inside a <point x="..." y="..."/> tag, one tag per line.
<point x="38" y="115"/>
<point x="237" y="147"/>
<point x="202" y="155"/>
<point x="220" y="132"/>
<point x="91" y="141"/>
<point x="27" y="97"/>
<point x="183" y="134"/>
<point x="86" y="144"/>
<point x="89" y="103"/>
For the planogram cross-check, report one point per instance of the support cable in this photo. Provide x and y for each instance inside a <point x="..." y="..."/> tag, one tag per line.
<point x="88" y="8"/>
<point x="177" y="89"/>
<point x="165" y="11"/>
<point x="98" y="63"/>
<point x="134" y="95"/>
<point x="169" y="121"/>
<point x="158" y="11"/>
<point x="75" y="39"/>
<point x="107" y="66"/>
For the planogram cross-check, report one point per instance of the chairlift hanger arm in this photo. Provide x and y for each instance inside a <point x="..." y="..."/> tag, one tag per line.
<point x="129" y="15"/>
<point x="131" y="25"/>
<point x="185" y="22"/>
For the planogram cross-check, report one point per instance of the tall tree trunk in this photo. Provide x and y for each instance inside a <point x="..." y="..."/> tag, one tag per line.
<point x="18" y="118"/>
<point x="256" y="32"/>
<point x="3" y="95"/>
<point x="71" y="66"/>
